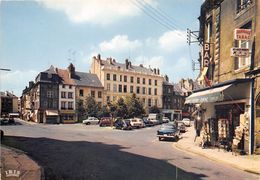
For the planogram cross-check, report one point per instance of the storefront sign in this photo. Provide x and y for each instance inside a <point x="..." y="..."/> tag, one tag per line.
<point x="242" y="34"/>
<point x="206" y="54"/>
<point x="239" y="52"/>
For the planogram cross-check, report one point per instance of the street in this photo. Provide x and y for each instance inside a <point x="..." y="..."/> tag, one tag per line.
<point x="78" y="151"/>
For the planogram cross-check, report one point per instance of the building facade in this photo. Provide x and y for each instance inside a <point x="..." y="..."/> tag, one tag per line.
<point x="229" y="35"/>
<point x="8" y="103"/>
<point x="124" y="79"/>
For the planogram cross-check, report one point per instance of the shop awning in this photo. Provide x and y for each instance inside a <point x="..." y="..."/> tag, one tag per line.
<point x="210" y="95"/>
<point x="52" y="113"/>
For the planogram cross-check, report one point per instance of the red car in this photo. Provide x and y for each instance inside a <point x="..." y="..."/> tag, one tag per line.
<point x="105" y="121"/>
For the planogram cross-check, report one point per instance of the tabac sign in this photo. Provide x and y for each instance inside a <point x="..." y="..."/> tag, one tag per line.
<point x="239" y="52"/>
<point x="206" y="54"/>
<point x="242" y="34"/>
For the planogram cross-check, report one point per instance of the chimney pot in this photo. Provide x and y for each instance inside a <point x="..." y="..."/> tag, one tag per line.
<point x="99" y="57"/>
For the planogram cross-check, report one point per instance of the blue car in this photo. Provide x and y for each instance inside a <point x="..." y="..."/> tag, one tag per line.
<point x="168" y="131"/>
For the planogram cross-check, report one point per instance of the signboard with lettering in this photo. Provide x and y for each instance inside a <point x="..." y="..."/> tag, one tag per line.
<point x="242" y="34"/>
<point x="240" y="52"/>
<point x="206" y="54"/>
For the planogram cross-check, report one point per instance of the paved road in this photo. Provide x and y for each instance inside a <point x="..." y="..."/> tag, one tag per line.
<point x="90" y="152"/>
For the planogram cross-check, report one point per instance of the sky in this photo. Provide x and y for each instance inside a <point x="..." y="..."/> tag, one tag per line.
<point x="36" y="34"/>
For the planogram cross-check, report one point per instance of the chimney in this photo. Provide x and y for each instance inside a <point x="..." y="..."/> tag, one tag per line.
<point x="110" y="61"/>
<point x="158" y="71"/>
<point x="126" y="64"/>
<point x="71" y="70"/>
<point x="130" y="64"/>
<point x="166" y="78"/>
<point x="141" y="65"/>
<point x="114" y="61"/>
<point x="99" y="57"/>
<point x="31" y="84"/>
<point x="154" y="70"/>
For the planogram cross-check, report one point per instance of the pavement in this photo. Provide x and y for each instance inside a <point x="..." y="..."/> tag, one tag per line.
<point x="15" y="164"/>
<point x="248" y="163"/>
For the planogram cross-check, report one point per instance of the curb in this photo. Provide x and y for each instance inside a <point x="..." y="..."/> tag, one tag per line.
<point x="214" y="159"/>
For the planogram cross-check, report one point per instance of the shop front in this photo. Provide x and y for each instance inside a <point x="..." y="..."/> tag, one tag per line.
<point x="67" y="116"/>
<point x="225" y="111"/>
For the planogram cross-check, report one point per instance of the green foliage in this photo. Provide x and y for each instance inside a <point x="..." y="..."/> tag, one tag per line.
<point x="135" y="107"/>
<point x="103" y="112"/>
<point x="91" y="107"/>
<point x="154" y="109"/>
<point x="80" y="110"/>
<point x="120" y="108"/>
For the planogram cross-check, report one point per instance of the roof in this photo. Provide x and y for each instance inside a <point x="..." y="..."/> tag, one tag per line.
<point x="50" y="75"/>
<point x="86" y="79"/>
<point x="64" y="75"/>
<point x="177" y="89"/>
<point x="7" y="94"/>
<point x="167" y="83"/>
<point x="122" y="66"/>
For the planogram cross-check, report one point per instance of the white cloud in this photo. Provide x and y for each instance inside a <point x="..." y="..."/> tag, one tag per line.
<point x="172" y="40"/>
<point x="153" y="62"/>
<point x="16" y="80"/>
<point x="120" y="43"/>
<point x="95" y="11"/>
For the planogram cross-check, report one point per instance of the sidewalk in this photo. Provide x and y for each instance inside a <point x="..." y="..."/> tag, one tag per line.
<point x="249" y="163"/>
<point x="17" y="165"/>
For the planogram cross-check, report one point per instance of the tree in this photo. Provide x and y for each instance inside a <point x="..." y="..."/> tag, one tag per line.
<point x="121" y="108"/>
<point x="103" y="112"/>
<point x="135" y="107"/>
<point x="80" y="110"/>
<point x="91" y="107"/>
<point x="154" y="109"/>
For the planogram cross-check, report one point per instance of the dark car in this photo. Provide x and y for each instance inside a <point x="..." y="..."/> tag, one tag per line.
<point x="4" y="121"/>
<point x="122" y="124"/>
<point x="105" y="121"/>
<point x="181" y="127"/>
<point x="168" y="131"/>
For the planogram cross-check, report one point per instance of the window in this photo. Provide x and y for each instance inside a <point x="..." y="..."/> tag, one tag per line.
<point x="150" y="91"/>
<point x="138" y="80"/>
<point x="108" y="76"/>
<point x="63" y="94"/>
<point x="70" y="105"/>
<point x="108" y="87"/>
<point x="155" y="102"/>
<point x="132" y="79"/>
<point x="143" y="100"/>
<point x="63" y="105"/>
<point x="155" y="91"/>
<point x="70" y="86"/>
<point x="114" y="77"/>
<point x="242" y="4"/>
<point x="150" y="82"/>
<point x="108" y="98"/>
<point x="119" y="88"/>
<point x="155" y="82"/>
<point x="70" y="95"/>
<point x="131" y="89"/>
<point x="120" y="78"/>
<point x="81" y="92"/>
<point x="92" y="94"/>
<point x="138" y="90"/>
<point x="125" y="88"/>
<point x="143" y="80"/>
<point x="209" y="29"/>
<point x="63" y="85"/>
<point x="149" y="102"/>
<point x="125" y="78"/>
<point x="169" y="90"/>
<point x="99" y="94"/>
<point x="144" y="90"/>
<point x="49" y="94"/>
<point x="114" y="87"/>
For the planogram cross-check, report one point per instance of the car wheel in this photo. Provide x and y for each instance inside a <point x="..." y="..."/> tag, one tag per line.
<point x="88" y="123"/>
<point x="160" y="138"/>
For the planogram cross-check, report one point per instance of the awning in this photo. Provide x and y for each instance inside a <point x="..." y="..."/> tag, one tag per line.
<point x="203" y="73"/>
<point x="210" y="95"/>
<point x="52" y="113"/>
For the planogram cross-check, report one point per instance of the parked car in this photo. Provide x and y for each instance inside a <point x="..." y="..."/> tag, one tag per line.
<point x="137" y="123"/>
<point x="165" y="120"/>
<point x="168" y="131"/>
<point x="181" y="127"/>
<point x="147" y="122"/>
<point x="186" y="121"/>
<point x="154" y="118"/>
<point x="105" y="121"/>
<point x="91" y="120"/>
<point x="123" y="124"/>
<point x="7" y="121"/>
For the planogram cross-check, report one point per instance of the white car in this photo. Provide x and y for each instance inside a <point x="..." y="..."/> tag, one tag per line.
<point x="165" y="120"/>
<point x="137" y="123"/>
<point x="186" y="121"/>
<point x="91" y="120"/>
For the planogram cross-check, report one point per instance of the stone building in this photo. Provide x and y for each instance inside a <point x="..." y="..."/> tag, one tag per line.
<point x="230" y="59"/>
<point x="8" y="103"/>
<point x="124" y="79"/>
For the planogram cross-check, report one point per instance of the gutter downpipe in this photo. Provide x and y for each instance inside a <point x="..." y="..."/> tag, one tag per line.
<point x="252" y="119"/>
